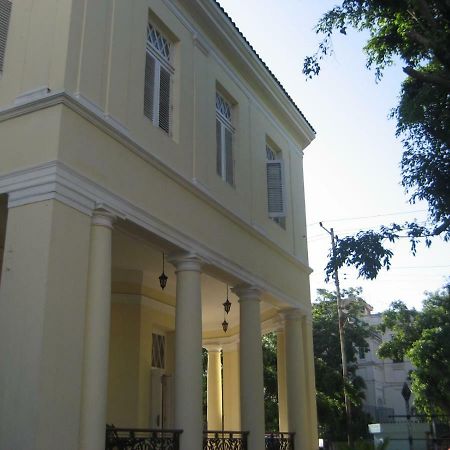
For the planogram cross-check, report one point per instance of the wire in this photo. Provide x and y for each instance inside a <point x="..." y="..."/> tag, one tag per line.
<point x="369" y="217"/>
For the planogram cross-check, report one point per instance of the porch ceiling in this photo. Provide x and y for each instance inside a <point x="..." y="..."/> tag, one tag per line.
<point x="137" y="260"/>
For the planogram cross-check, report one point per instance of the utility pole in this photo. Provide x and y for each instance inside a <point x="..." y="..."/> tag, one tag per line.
<point x="341" y="321"/>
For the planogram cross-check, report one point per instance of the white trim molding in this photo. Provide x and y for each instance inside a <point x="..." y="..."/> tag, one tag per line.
<point x="56" y="181"/>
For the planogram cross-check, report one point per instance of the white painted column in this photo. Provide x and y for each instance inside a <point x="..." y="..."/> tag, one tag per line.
<point x="281" y="380"/>
<point x="214" y="388"/>
<point x="251" y="366"/>
<point x="188" y="351"/>
<point x="231" y="387"/>
<point x="96" y="339"/>
<point x="297" y="400"/>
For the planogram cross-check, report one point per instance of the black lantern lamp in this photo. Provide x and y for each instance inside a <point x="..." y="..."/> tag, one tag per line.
<point x="225" y="325"/>
<point x="163" y="277"/>
<point x="227" y="303"/>
<point x="226" y="309"/>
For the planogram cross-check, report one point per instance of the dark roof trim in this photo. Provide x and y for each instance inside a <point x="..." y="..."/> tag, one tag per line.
<point x="219" y="6"/>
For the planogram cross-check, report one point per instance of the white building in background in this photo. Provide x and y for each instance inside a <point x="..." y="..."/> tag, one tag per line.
<point x="384" y="378"/>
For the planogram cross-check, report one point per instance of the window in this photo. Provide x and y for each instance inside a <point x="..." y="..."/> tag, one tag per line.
<point x="5" y="14"/>
<point x="275" y="186"/>
<point x="158" y="79"/>
<point x="224" y="138"/>
<point x="158" y="350"/>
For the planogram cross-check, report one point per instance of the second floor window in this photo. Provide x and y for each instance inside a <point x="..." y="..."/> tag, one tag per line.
<point x="158" y="79"/>
<point x="224" y="140"/>
<point x="275" y="186"/>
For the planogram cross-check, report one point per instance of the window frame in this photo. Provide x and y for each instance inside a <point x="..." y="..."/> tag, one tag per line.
<point x="274" y="157"/>
<point x="161" y="62"/>
<point x="224" y="117"/>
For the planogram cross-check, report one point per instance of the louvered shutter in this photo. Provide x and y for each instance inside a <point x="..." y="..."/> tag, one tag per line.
<point x="275" y="187"/>
<point x="5" y="14"/>
<point x="218" y="147"/>
<point x="229" y="172"/>
<point x="164" y="100"/>
<point x="149" y="86"/>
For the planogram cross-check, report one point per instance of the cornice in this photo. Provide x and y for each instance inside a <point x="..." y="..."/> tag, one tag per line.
<point x="249" y="57"/>
<point x="246" y="55"/>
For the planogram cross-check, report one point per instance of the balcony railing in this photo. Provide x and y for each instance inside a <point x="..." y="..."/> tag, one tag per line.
<point x="141" y="439"/>
<point x="280" y="441"/>
<point x="225" y="440"/>
<point x="150" y="439"/>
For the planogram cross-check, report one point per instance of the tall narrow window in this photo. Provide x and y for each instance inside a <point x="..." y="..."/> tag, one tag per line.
<point x="224" y="140"/>
<point x="5" y="14"/>
<point x="158" y="350"/>
<point x="275" y="186"/>
<point x="158" y="79"/>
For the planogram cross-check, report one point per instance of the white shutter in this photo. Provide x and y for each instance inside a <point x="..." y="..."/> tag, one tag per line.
<point x="149" y="86"/>
<point x="275" y="188"/>
<point x="229" y="169"/>
<point x="5" y="14"/>
<point x="164" y="99"/>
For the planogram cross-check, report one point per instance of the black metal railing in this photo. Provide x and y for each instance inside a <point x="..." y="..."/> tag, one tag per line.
<point x="141" y="439"/>
<point x="225" y="440"/>
<point x="280" y="441"/>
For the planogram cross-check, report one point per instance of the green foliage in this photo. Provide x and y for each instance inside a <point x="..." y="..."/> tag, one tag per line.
<point x="328" y="363"/>
<point x="423" y="337"/>
<point x="269" y="343"/>
<point x="416" y="33"/>
<point x="366" y="250"/>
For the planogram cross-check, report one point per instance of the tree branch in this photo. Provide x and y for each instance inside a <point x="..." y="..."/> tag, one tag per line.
<point x="426" y="13"/>
<point x="428" y="77"/>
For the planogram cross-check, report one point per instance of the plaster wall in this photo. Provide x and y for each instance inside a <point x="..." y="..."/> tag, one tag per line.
<point x="130" y="360"/>
<point x="109" y="163"/>
<point x="42" y="326"/>
<point x="36" y="51"/>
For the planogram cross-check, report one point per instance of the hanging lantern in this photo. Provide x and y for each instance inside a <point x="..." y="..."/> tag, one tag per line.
<point x="225" y="326"/>
<point x="227" y="303"/>
<point x="163" y="277"/>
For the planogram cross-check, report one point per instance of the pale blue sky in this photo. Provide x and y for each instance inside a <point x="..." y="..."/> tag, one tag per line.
<point x="352" y="167"/>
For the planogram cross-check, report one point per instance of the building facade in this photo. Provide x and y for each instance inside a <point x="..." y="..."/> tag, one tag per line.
<point x="140" y="137"/>
<point x="384" y="378"/>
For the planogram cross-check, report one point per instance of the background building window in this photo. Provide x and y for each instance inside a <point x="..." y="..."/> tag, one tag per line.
<point x="5" y="14"/>
<point x="158" y="79"/>
<point x="275" y="186"/>
<point x="224" y="138"/>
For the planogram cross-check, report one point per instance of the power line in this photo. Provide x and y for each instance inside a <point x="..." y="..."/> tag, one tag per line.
<point x="369" y="217"/>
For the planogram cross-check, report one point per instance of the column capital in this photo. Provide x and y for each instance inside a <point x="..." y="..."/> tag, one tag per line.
<point x="103" y="218"/>
<point x="292" y="314"/>
<point x="212" y="348"/>
<point x="185" y="261"/>
<point x="246" y="292"/>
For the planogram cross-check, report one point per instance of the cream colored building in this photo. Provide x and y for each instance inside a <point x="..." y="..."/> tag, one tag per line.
<point x="130" y="129"/>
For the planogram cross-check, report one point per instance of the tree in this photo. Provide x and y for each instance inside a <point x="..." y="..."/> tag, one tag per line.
<point x="328" y="363"/>
<point x="416" y="32"/>
<point x="269" y="343"/>
<point x="423" y="337"/>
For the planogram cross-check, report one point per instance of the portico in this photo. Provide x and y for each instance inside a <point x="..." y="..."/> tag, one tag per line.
<point x="125" y="309"/>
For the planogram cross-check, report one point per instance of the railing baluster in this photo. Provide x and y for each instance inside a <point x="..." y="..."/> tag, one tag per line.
<point x="144" y="439"/>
